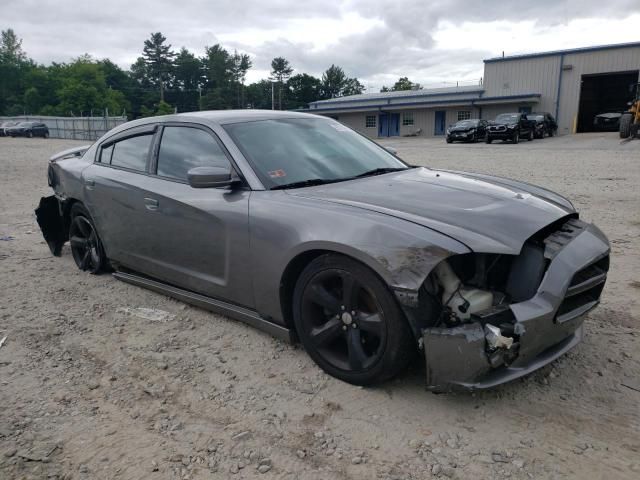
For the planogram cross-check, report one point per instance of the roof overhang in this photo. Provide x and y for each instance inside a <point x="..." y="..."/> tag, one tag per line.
<point x="523" y="98"/>
<point x="459" y="102"/>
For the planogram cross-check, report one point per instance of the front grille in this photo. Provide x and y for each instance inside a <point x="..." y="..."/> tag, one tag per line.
<point x="584" y="290"/>
<point x="499" y="128"/>
<point x="591" y="271"/>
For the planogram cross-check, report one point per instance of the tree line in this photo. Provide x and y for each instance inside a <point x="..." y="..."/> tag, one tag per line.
<point x="162" y="80"/>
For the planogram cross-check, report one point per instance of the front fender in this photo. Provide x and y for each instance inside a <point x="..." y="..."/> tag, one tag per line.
<point x="402" y="253"/>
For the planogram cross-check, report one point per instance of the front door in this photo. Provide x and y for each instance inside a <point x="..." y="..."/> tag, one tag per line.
<point x="394" y="124"/>
<point x="389" y="125"/>
<point x="383" y="125"/>
<point x="440" y="122"/>
<point x="199" y="236"/>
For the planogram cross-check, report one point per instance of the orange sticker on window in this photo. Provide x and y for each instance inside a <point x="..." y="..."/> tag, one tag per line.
<point x="277" y="173"/>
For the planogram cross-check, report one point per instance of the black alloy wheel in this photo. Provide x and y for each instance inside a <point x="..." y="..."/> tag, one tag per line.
<point x="349" y="322"/>
<point x="86" y="248"/>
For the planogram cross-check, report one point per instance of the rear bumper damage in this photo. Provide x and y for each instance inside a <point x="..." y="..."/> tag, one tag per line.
<point x="51" y="221"/>
<point x="543" y="328"/>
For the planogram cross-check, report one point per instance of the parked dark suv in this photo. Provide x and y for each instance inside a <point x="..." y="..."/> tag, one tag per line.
<point x="28" y="129"/>
<point x="470" y="130"/>
<point x="510" y="126"/>
<point x="545" y="124"/>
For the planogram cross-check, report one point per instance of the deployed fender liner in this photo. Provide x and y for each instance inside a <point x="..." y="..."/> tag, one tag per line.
<point x="545" y="326"/>
<point x="51" y="222"/>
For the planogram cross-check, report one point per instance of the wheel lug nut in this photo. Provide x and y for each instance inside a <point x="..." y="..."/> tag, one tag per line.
<point x="353" y="312"/>
<point x="342" y="307"/>
<point x="344" y="327"/>
<point x="354" y="325"/>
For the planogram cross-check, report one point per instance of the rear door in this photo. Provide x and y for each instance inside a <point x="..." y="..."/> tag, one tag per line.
<point x="115" y="191"/>
<point x="197" y="238"/>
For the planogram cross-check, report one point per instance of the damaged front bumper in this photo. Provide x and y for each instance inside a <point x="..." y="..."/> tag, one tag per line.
<point x="545" y="327"/>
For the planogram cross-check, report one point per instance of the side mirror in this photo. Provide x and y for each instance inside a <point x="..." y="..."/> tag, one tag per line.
<point x="391" y="150"/>
<point x="211" y="177"/>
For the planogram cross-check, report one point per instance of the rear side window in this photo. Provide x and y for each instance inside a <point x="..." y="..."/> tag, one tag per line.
<point x="131" y="152"/>
<point x="183" y="148"/>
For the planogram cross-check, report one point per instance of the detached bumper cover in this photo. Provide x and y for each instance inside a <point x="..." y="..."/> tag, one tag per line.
<point x="548" y="325"/>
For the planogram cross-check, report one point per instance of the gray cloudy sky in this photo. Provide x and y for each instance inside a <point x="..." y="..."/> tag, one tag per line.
<point x="433" y="42"/>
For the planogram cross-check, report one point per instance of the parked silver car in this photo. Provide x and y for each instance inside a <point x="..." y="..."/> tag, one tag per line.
<point x="300" y="226"/>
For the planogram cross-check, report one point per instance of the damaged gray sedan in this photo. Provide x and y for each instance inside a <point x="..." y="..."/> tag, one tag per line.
<point x="299" y="226"/>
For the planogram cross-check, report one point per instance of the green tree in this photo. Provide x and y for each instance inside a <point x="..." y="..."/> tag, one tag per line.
<point x="352" y="86"/>
<point x="187" y="81"/>
<point x="259" y="95"/>
<point x="335" y="83"/>
<point x="280" y="71"/>
<point x="240" y="65"/>
<point x="14" y="66"/>
<point x="403" y="83"/>
<point x="158" y="57"/>
<point x="303" y="89"/>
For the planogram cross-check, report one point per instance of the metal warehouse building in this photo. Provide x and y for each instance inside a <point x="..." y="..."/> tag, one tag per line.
<point x="573" y="85"/>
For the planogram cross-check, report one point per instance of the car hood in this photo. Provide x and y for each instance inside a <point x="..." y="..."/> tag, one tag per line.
<point x="461" y="129"/>
<point x="487" y="214"/>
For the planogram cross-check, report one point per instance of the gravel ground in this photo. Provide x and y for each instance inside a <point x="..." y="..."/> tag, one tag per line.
<point x="92" y="387"/>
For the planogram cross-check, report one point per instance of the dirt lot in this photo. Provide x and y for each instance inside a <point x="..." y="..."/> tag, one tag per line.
<point x="90" y="389"/>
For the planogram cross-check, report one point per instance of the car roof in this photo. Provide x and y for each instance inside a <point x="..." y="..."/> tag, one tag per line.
<point x="248" y="115"/>
<point x="220" y="117"/>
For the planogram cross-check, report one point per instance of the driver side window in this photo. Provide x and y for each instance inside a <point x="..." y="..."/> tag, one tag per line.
<point x="183" y="148"/>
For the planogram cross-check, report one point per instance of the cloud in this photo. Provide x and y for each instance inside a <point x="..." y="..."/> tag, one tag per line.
<point x="377" y="41"/>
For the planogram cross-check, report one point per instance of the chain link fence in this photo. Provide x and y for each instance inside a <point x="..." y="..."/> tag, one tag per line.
<point x="75" y="128"/>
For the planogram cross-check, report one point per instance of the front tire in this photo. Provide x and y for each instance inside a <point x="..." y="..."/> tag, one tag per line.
<point x="516" y="137"/>
<point x="625" y="125"/>
<point x="29" y="134"/>
<point x="86" y="246"/>
<point x="349" y="322"/>
<point x="487" y="139"/>
<point x="530" y="137"/>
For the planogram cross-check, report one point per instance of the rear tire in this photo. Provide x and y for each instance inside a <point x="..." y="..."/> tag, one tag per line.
<point x="625" y="125"/>
<point x="349" y="322"/>
<point x="29" y="134"/>
<point x="46" y="135"/>
<point x="86" y="246"/>
<point x="449" y="140"/>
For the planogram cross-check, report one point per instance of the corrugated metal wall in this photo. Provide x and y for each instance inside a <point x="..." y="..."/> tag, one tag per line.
<point x="541" y="74"/>
<point x="604" y="61"/>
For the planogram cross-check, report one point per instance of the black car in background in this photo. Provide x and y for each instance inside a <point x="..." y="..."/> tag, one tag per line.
<point x="545" y="124"/>
<point x="4" y="126"/>
<point x="28" y="129"/>
<point x="607" y="122"/>
<point x="470" y="130"/>
<point x="510" y="126"/>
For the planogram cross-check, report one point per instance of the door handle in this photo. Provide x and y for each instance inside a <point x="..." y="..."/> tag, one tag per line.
<point x="151" y="204"/>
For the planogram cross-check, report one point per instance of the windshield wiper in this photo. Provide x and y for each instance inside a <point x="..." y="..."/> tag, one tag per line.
<point x="380" y="171"/>
<point x="304" y="183"/>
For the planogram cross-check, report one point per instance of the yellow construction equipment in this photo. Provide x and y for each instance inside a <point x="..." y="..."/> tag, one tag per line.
<point x="630" y="120"/>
